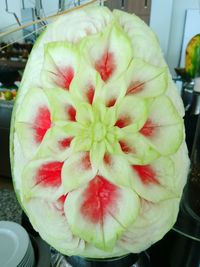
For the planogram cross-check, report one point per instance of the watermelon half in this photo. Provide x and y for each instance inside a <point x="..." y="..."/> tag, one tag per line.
<point x="98" y="154"/>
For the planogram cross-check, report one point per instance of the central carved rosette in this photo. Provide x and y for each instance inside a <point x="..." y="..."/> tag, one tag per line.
<point x="98" y="131"/>
<point x="95" y="131"/>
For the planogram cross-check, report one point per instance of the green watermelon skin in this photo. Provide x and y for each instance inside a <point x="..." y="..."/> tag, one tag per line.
<point x="192" y="58"/>
<point x="135" y="175"/>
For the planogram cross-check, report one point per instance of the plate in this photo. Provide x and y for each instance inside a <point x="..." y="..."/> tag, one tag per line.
<point x="14" y="243"/>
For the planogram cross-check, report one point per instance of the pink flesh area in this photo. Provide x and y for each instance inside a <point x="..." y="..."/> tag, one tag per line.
<point x="59" y="204"/>
<point x="107" y="159"/>
<point x="111" y="102"/>
<point x="71" y="113"/>
<point x="65" y="143"/>
<point x="65" y="76"/>
<point x="85" y="161"/>
<point x="90" y="94"/>
<point x="135" y="87"/>
<point x="41" y="123"/>
<point x="125" y="148"/>
<point x="49" y="174"/>
<point x="106" y="65"/>
<point x="62" y="199"/>
<point x="148" y="129"/>
<point x="146" y="173"/>
<point x="98" y="197"/>
<point x="123" y="122"/>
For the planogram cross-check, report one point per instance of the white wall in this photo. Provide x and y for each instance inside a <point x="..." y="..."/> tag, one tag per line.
<point x="7" y="20"/>
<point x="160" y="21"/>
<point x="167" y="20"/>
<point x="177" y="29"/>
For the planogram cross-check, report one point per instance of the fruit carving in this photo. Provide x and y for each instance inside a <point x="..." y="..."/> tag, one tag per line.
<point x="192" y="58"/>
<point x="97" y="145"/>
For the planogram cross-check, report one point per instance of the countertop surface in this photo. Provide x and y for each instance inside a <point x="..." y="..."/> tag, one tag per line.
<point x="9" y="207"/>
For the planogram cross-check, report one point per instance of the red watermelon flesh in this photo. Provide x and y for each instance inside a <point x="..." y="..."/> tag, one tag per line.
<point x="99" y="195"/>
<point x="42" y="123"/>
<point x="105" y="65"/>
<point x="64" y="77"/>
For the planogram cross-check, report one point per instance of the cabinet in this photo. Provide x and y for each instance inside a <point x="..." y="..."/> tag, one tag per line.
<point x="5" y="118"/>
<point x="141" y="8"/>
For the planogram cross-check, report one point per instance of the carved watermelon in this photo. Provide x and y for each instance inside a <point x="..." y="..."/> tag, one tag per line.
<point x="192" y="57"/>
<point x="97" y="145"/>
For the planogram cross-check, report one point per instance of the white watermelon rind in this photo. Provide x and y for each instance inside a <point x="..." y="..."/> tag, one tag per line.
<point x="12" y="128"/>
